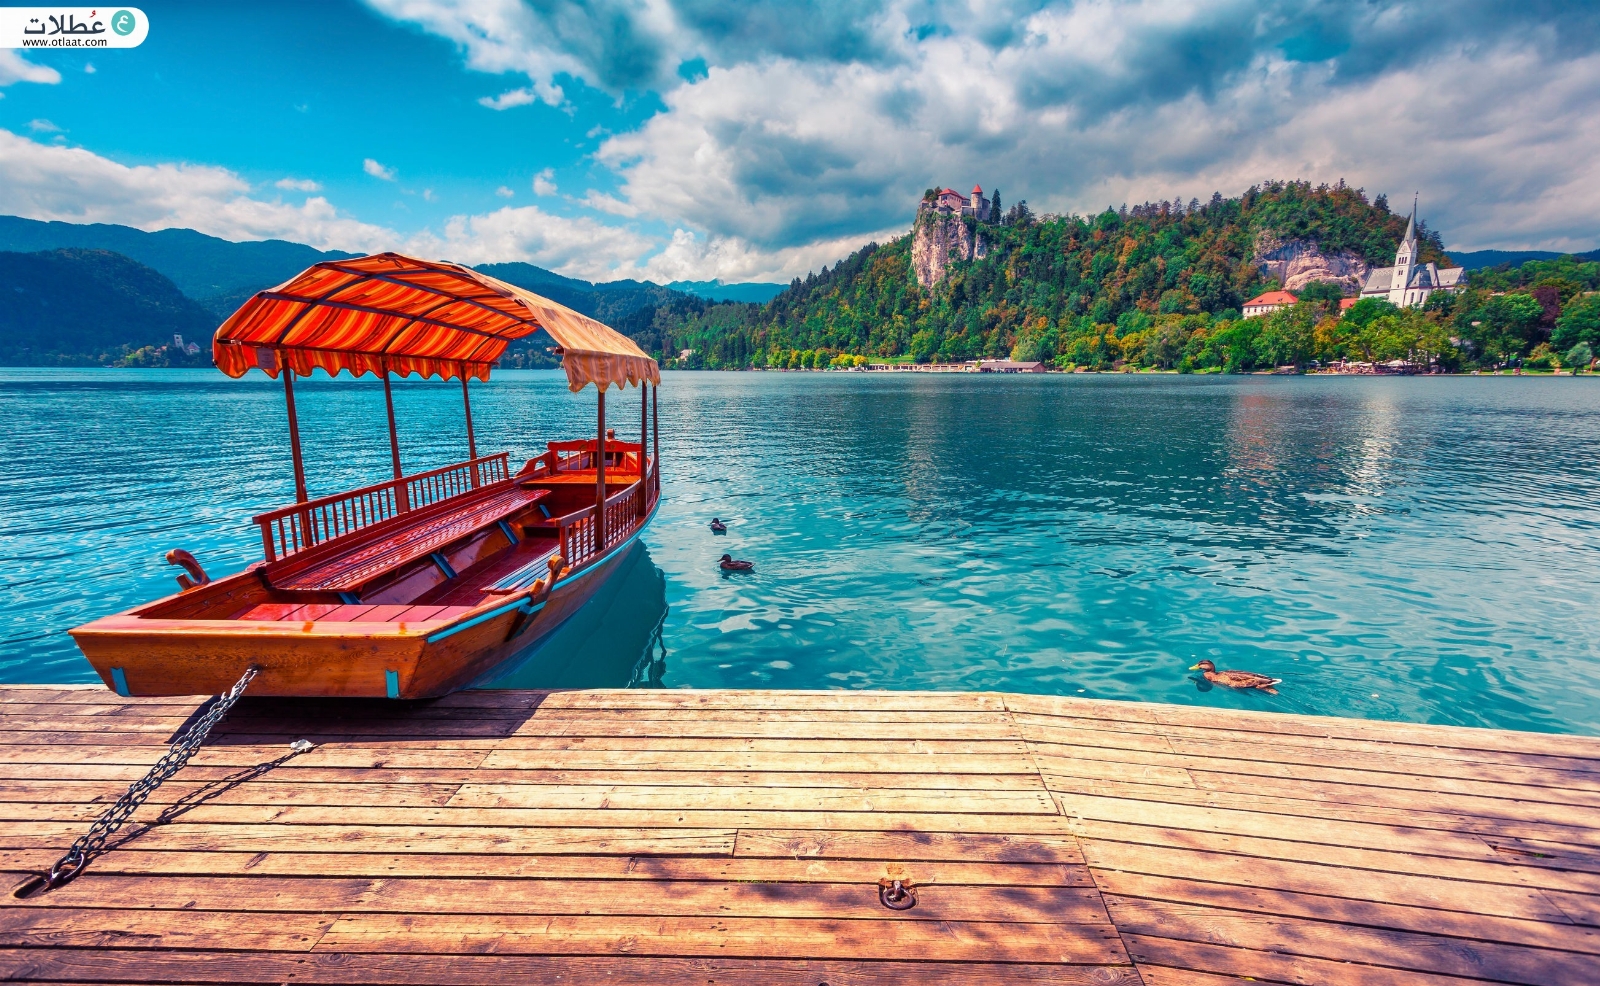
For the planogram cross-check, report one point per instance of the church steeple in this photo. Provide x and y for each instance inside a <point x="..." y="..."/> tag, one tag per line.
<point x="1407" y="254"/>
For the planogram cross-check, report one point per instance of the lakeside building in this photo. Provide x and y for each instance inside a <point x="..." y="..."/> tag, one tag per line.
<point x="1009" y="366"/>
<point x="1408" y="283"/>
<point x="1261" y="304"/>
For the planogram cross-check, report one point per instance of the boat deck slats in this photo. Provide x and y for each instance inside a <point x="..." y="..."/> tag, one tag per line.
<point x="733" y="837"/>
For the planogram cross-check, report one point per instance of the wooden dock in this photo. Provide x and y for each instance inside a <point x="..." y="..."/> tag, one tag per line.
<point x="648" y="837"/>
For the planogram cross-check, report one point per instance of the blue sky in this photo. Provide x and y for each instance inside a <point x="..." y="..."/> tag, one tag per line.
<point x="756" y="140"/>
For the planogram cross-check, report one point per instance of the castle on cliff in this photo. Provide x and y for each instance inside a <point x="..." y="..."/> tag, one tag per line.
<point x="952" y="203"/>
<point x="940" y="236"/>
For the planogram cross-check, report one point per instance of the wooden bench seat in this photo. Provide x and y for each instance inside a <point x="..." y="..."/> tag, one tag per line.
<point x="349" y="570"/>
<point x="357" y="613"/>
<point x="537" y="567"/>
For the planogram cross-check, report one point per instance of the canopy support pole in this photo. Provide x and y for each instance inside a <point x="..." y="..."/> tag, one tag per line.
<point x="401" y="498"/>
<point x="294" y="438"/>
<point x="655" y="437"/>
<point x="644" y="440"/>
<point x="472" y="443"/>
<point x="600" y="478"/>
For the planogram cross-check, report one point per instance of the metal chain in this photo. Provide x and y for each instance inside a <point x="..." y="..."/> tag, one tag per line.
<point x="91" y="842"/>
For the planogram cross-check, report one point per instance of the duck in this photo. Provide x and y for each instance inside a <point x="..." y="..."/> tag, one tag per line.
<point x="731" y="564"/>
<point x="1237" y="679"/>
<point x="717" y="526"/>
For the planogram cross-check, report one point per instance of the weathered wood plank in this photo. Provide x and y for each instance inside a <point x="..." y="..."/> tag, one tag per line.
<point x="967" y="869"/>
<point x="1543" y="930"/>
<point x="1444" y="892"/>
<point x="993" y="941"/>
<point x="1410" y="775"/>
<point x="1488" y="866"/>
<point x="559" y="897"/>
<point x="909" y="845"/>
<point x="1341" y="942"/>
<point x="343" y="969"/>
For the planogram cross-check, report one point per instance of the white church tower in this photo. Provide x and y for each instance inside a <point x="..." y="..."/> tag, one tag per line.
<point x="1409" y="283"/>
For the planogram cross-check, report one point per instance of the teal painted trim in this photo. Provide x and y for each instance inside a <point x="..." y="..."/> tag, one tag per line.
<point x="349" y="598"/>
<point x="587" y="570"/>
<point x="506" y="529"/>
<point x="391" y="682"/>
<point x="444" y="566"/>
<point x="501" y="611"/>
<point x="119" y="682"/>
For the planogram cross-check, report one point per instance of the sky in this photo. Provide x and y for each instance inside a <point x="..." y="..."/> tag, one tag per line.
<point x="756" y="141"/>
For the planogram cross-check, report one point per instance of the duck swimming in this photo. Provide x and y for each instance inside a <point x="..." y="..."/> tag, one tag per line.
<point x="717" y="526"/>
<point x="1235" y="679"/>
<point x="731" y="564"/>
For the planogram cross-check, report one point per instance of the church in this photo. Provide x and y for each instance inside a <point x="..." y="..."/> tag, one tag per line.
<point x="1408" y="283"/>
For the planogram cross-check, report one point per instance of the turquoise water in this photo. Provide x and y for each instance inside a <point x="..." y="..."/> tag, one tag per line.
<point x="1421" y="549"/>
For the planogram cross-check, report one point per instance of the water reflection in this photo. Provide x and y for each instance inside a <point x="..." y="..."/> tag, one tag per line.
<point x="613" y="641"/>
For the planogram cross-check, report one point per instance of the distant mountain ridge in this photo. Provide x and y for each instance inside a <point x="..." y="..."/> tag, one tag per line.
<point x="197" y="281"/>
<point x="93" y="308"/>
<point x="219" y="274"/>
<point x="1479" y="259"/>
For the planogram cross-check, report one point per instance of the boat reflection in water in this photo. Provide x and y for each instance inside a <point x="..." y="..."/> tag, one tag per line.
<point x="613" y="641"/>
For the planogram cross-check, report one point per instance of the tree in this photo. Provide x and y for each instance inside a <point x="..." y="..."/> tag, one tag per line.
<point x="1580" y="357"/>
<point x="1368" y="309"/>
<point x="1327" y="293"/>
<point x="1579" y="323"/>
<point x="994" y="208"/>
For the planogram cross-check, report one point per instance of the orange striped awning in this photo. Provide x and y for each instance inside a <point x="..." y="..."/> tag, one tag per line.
<point x="403" y="315"/>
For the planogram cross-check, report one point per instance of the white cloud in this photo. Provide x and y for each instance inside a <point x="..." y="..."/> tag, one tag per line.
<point x="43" y="127"/>
<point x="544" y="182"/>
<point x="89" y="68"/>
<point x="15" y="68"/>
<point x="297" y="185"/>
<point x="377" y="170"/>
<point x="506" y="100"/>
<point x="576" y="247"/>
<point x="610" y="203"/>
<point x="427" y="195"/>
<point x="819" y="127"/>
<point x="504" y="192"/>
<point x="75" y="185"/>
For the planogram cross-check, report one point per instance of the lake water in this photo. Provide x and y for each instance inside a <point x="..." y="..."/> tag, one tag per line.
<point x="1423" y="549"/>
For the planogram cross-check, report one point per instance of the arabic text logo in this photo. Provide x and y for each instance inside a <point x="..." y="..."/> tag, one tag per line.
<point x="122" y="22"/>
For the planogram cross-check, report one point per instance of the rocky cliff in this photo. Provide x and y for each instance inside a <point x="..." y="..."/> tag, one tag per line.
<point x="1299" y="262"/>
<point x="940" y="239"/>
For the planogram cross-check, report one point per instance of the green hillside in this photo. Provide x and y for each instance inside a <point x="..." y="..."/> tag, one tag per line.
<point x="218" y="273"/>
<point x="1075" y="289"/>
<point x="93" y="308"/>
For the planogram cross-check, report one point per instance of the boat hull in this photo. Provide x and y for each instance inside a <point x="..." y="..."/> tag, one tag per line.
<point x="139" y="656"/>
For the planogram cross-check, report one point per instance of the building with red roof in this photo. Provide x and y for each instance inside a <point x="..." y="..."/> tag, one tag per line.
<point x="952" y="202"/>
<point x="1261" y="304"/>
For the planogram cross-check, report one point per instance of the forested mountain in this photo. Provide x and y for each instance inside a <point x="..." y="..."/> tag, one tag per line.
<point x="1050" y="281"/>
<point x="94" y="308"/>
<point x="1157" y="285"/>
<point x="217" y="273"/>
<point x="194" y="282"/>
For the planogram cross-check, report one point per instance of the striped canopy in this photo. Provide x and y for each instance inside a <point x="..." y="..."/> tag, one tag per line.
<point x="398" y="314"/>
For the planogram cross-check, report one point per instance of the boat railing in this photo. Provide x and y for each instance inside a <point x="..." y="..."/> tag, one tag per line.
<point x="625" y="510"/>
<point x="290" y="530"/>
<point x="578" y="456"/>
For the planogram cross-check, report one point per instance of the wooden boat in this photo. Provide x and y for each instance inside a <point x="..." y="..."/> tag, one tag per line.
<point x="419" y="585"/>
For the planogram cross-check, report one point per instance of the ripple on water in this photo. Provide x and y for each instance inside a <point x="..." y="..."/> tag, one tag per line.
<point x="1420" y="549"/>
